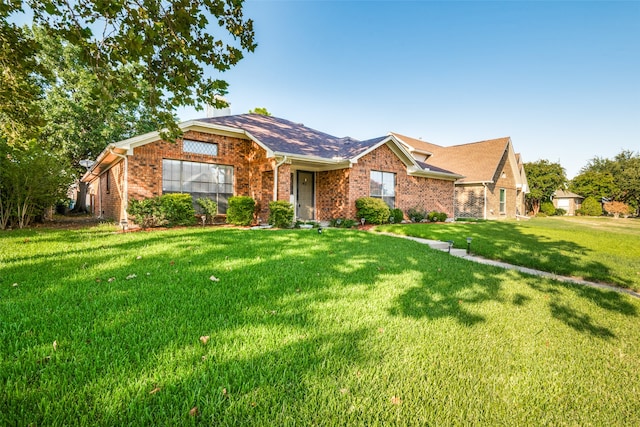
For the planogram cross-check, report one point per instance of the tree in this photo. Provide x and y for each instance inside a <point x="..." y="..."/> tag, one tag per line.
<point x="78" y="124"/>
<point x="260" y="110"/>
<point x="616" y="209"/>
<point x="544" y="179"/>
<point x="629" y="178"/>
<point x="590" y="207"/>
<point x="593" y="183"/>
<point x="166" y="44"/>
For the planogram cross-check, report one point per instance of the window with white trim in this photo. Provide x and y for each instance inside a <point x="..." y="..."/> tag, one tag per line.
<point x="382" y="185"/>
<point x="201" y="180"/>
<point x="503" y="201"/>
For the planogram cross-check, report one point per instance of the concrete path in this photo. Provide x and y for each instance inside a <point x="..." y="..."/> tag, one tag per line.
<point x="462" y="253"/>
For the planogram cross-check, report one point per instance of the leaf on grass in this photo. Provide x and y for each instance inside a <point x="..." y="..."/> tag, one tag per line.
<point x="15" y="285"/>
<point x="344" y="390"/>
<point x="224" y="392"/>
<point x="155" y="390"/>
<point x="131" y="276"/>
<point x="204" y="339"/>
<point x="111" y="279"/>
<point x="395" y="400"/>
<point x="55" y="345"/>
<point x="381" y="330"/>
<point x="194" y="412"/>
<point x="138" y="257"/>
<point x="172" y="262"/>
<point x="214" y="279"/>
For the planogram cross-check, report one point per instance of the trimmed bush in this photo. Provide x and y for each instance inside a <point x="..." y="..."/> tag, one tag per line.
<point x="396" y="216"/>
<point x="240" y="210"/>
<point x="209" y="208"/>
<point x="590" y="207"/>
<point x="168" y="209"/>
<point x="560" y="212"/>
<point x="281" y="214"/>
<point x="416" y="214"/>
<point x="548" y="208"/>
<point x="373" y="210"/>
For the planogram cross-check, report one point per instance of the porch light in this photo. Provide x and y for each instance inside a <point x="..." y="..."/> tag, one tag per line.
<point x="469" y="245"/>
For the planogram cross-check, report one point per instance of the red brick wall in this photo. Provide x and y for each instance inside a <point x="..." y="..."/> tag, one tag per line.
<point x="425" y="193"/>
<point x="108" y="192"/>
<point x="145" y="170"/>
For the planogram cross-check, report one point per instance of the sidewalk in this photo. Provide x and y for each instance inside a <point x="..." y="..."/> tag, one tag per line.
<point x="462" y="253"/>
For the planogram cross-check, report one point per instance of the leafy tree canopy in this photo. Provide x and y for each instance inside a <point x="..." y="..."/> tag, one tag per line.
<point x="166" y="44"/>
<point x="260" y="110"/>
<point x="544" y="179"/>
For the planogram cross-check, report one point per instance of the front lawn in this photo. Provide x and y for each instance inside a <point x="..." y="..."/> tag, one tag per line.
<point x="264" y="327"/>
<point x="598" y="249"/>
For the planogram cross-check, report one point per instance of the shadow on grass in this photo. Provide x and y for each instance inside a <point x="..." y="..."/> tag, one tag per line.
<point x="508" y="242"/>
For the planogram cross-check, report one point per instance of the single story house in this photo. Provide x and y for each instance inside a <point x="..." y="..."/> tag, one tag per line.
<point x="493" y="182"/>
<point x="267" y="158"/>
<point x="567" y="200"/>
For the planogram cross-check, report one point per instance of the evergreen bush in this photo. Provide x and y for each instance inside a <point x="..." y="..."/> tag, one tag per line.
<point x="416" y="214"/>
<point x="281" y="214"/>
<point x="209" y="208"/>
<point x="241" y="210"/>
<point x="373" y="210"/>
<point x="590" y="207"/>
<point x="396" y="216"/>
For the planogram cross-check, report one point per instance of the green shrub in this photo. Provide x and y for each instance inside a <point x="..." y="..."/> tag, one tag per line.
<point x="416" y="214"/>
<point x="178" y="208"/>
<point x="373" y="210"/>
<point x="281" y="214"/>
<point x="547" y="208"/>
<point x="168" y="209"/>
<point x="560" y="212"/>
<point x="590" y="207"/>
<point x="209" y="208"/>
<point x="343" y="223"/>
<point x="442" y="216"/>
<point x="396" y="216"/>
<point x="240" y="210"/>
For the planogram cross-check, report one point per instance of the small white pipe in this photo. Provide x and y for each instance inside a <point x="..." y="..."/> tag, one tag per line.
<point x="275" y="177"/>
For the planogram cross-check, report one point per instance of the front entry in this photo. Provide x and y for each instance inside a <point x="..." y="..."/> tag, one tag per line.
<point x="304" y="195"/>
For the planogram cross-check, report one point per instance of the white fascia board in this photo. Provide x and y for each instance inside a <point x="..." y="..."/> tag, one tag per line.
<point x="396" y="143"/>
<point x="433" y="174"/>
<point x="314" y="159"/>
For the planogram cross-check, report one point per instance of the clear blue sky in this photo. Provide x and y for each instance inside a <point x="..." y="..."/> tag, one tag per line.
<point x="562" y="78"/>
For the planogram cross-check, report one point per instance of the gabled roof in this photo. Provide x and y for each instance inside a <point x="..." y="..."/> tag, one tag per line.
<point x="563" y="194"/>
<point x="282" y="138"/>
<point x="477" y="161"/>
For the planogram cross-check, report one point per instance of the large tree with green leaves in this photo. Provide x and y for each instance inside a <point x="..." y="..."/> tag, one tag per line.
<point x="544" y="179"/>
<point x="616" y="179"/>
<point x="171" y="45"/>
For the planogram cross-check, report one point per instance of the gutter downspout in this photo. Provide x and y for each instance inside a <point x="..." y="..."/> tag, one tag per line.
<point x="484" y="184"/>
<point x="275" y="177"/>
<point x="125" y="187"/>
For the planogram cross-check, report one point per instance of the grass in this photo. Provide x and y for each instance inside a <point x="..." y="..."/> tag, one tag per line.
<point x="339" y="328"/>
<point x="599" y="249"/>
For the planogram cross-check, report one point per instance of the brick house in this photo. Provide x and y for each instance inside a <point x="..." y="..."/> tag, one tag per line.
<point x="494" y="181"/>
<point x="267" y="158"/>
<point x="568" y="201"/>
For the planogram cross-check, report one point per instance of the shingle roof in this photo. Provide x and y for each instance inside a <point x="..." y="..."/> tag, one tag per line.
<point x="284" y="136"/>
<point x="477" y="161"/>
<point x="562" y="194"/>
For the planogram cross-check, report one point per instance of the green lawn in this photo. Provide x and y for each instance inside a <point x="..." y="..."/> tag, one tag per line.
<point x="339" y="328"/>
<point x="605" y="250"/>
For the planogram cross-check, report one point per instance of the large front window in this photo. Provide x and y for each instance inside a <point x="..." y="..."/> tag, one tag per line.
<point x="201" y="180"/>
<point x="382" y="185"/>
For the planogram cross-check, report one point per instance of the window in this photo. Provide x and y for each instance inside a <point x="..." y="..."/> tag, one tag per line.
<point x="198" y="179"/>
<point x="382" y="185"/>
<point x="197" y="147"/>
<point x="503" y="201"/>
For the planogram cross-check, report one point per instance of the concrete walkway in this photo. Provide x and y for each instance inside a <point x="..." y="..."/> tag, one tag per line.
<point x="462" y="253"/>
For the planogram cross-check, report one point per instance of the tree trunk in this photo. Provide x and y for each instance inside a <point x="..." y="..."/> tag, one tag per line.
<point x="81" y="198"/>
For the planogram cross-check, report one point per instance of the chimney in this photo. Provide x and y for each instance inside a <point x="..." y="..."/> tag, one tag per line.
<point x="218" y="112"/>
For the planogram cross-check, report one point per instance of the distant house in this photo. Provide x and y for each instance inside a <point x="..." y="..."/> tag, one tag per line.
<point x="267" y="158"/>
<point x="494" y="181"/>
<point x="568" y="201"/>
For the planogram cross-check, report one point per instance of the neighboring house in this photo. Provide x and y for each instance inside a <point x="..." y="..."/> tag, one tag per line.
<point x="267" y="158"/>
<point x="494" y="181"/>
<point x="568" y="201"/>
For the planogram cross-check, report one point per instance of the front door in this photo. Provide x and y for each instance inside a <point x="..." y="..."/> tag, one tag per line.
<point x="304" y="195"/>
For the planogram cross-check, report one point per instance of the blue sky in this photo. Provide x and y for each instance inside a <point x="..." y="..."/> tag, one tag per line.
<point x="562" y="78"/>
